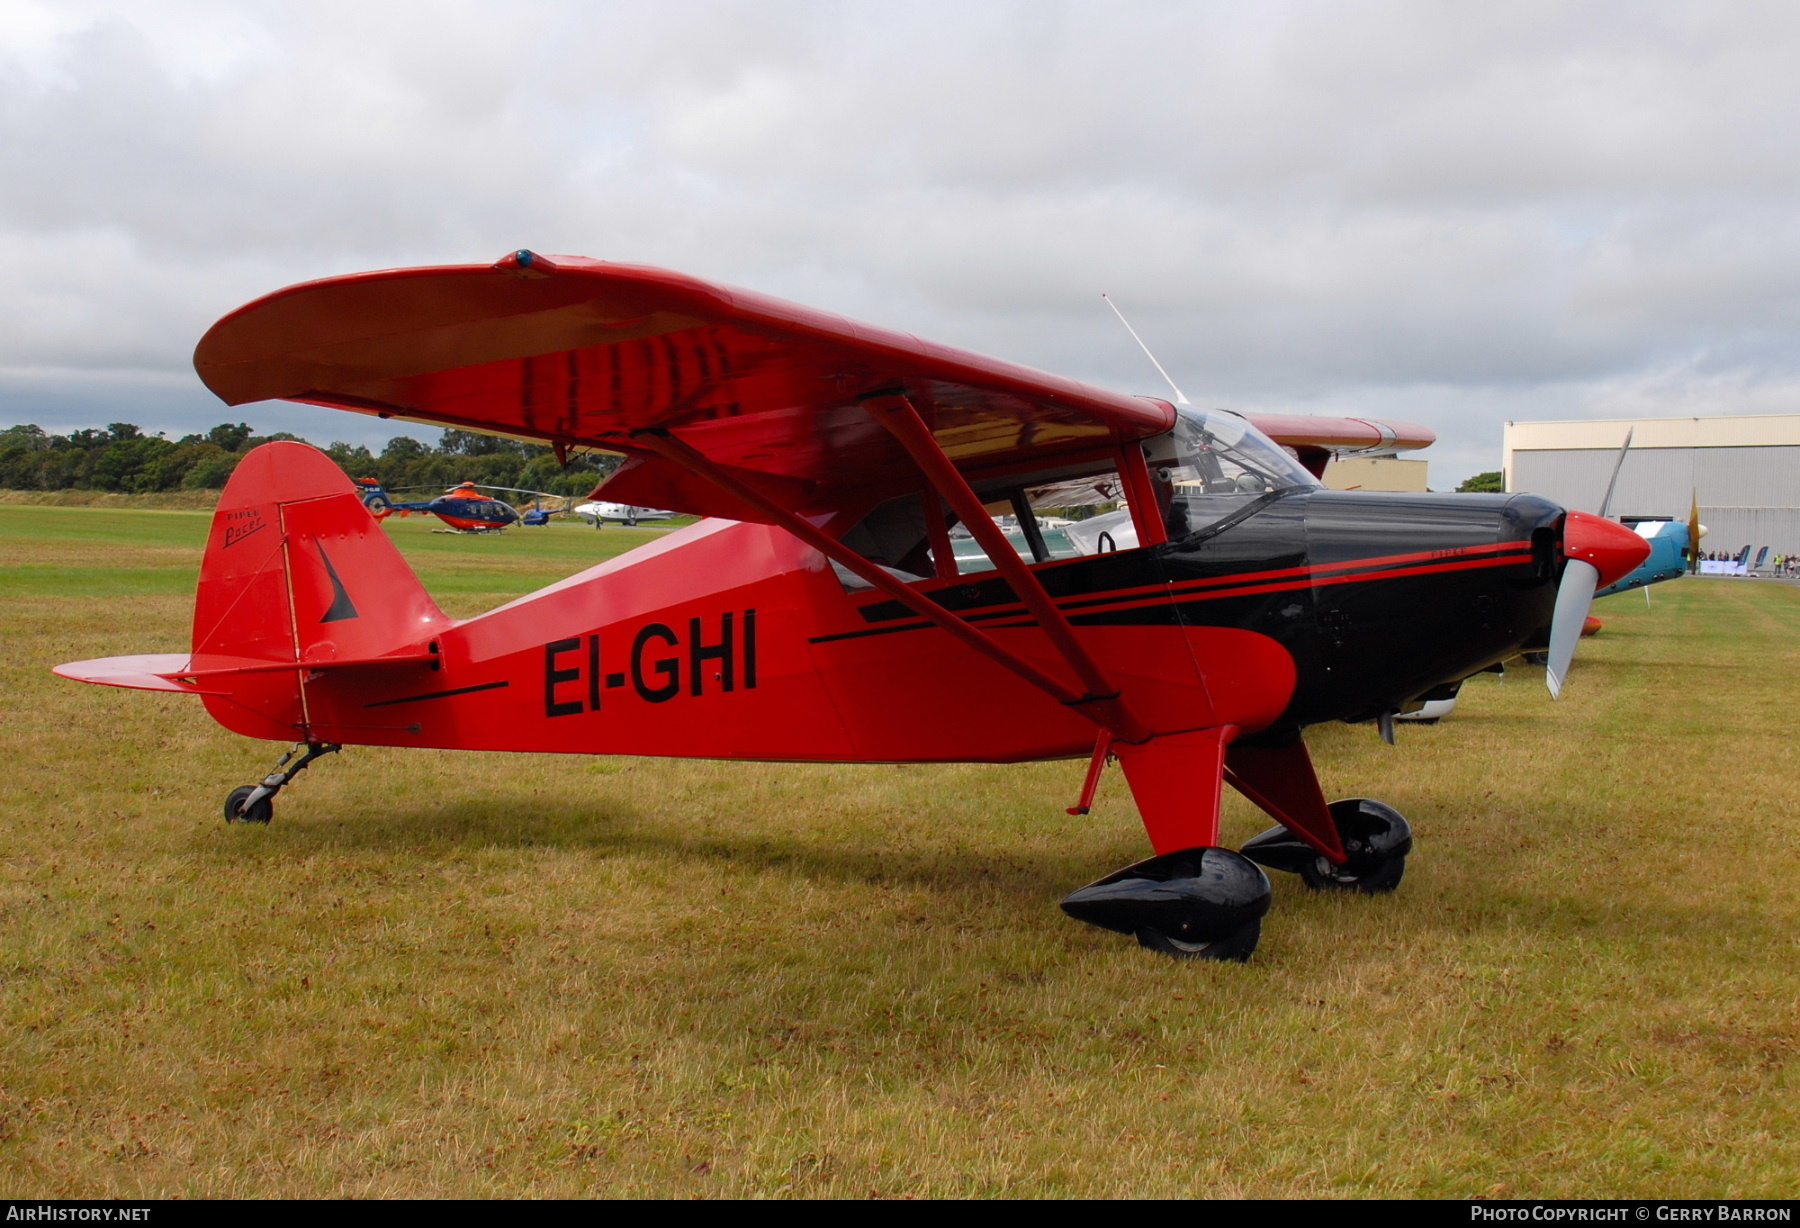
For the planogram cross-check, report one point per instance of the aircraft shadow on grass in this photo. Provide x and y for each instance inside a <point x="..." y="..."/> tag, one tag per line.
<point x="1020" y="879"/>
<point x="616" y="828"/>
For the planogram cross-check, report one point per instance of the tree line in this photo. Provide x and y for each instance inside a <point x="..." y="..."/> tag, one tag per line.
<point x="123" y="459"/>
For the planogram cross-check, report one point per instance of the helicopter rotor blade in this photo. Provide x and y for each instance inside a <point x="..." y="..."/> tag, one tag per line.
<point x="516" y="490"/>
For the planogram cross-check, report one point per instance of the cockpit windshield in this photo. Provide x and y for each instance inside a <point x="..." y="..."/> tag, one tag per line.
<point x="1208" y="469"/>
<point x="1214" y="464"/>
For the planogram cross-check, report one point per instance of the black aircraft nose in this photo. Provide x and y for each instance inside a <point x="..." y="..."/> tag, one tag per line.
<point x="1414" y="590"/>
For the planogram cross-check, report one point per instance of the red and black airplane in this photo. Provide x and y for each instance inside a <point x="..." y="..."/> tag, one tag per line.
<point x="820" y="613"/>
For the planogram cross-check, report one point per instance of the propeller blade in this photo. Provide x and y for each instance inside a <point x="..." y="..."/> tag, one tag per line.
<point x="1574" y="597"/>
<point x="1606" y="503"/>
<point x="1599" y="552"/>
<point x="1693" y="550"/>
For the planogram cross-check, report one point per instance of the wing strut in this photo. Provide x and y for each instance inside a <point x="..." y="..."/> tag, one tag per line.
<point x="671" y="449"/>
<point x="898" y="415"/>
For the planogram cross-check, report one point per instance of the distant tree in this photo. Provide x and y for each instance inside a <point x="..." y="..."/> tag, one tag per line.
<point x="229" y="437"/>
<point x="354" y="459"/>
<point x="212" y="468"/>
<point x="126" y="459"/>
<point x="1484" y="483"/>
<point x="25" y="435"/>
<point x="473" y="443"/>
<point x="169" y="467"/>
<point x="403" y="448"/>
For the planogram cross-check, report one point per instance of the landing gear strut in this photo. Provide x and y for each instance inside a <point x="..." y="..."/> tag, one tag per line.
<point x="1375" y="836"/>
<point x="1200" y="903"/>
<point x="256" y="803"/>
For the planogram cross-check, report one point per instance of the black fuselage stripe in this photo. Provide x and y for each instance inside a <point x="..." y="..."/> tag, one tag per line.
<point x="1189" y="592"/>
<point x="868" y="631"/>
<point x="1287" y="577"/>
<point x="461" y="690"/>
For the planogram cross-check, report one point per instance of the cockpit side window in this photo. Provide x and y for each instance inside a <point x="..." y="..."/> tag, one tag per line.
<point x="896" y="535"/>
<point x="1084" y="515"/>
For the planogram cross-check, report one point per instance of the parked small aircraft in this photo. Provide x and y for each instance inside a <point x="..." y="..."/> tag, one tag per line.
<point x="1674" y="547"/>
<point x="821" y="613"/>
<point x="1669" y="553"/>
<point x="597" y="513"/>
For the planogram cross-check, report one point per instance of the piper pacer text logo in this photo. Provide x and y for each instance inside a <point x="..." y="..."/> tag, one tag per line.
<point x="241" y="524"/>
<point x="722" y="653"/>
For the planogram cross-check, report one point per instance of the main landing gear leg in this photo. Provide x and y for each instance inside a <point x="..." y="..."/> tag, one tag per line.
<point x="1357" y="844"/>
<point x="1193" y="900"/>
<point x="256" y="803"/>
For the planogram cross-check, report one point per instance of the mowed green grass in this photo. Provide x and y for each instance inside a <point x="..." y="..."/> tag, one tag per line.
<point x="480" y="974"/>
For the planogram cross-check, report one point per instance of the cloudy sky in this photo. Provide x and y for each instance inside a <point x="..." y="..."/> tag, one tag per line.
<point x="1450" y="213"/>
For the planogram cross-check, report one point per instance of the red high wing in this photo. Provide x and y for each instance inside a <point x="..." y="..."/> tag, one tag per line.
<point x="579" y="352"/>
<point x="582" y="353"/>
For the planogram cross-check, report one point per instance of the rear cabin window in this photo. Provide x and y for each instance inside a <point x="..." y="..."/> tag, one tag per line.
<point x="1042" y="521"/>
<point x="894" y="536"/>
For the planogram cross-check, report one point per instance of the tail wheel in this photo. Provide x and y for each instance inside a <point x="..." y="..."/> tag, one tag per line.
<point x="261" y="812"/>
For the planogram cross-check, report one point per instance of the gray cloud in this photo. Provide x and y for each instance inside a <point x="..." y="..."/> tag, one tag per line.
<point x="1457" y="213"/>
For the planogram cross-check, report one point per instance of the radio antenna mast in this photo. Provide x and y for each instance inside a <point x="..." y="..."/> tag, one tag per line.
<point x="1180" y="397"/>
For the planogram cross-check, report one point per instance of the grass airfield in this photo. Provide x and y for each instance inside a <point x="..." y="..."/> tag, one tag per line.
<point x="483" y="974"/>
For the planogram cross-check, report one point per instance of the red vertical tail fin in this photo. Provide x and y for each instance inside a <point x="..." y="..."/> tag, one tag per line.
<point x="297" y="570"/>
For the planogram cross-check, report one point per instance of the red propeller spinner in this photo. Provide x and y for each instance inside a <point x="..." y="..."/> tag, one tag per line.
<point x="1599" y="551"/>
<point x="1608" y="546"/>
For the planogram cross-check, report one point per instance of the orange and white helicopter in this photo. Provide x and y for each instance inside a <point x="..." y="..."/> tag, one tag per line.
<point x="820" y="613"/>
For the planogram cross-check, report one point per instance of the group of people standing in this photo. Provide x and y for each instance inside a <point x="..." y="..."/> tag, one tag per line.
<point x="1783" y="565"/>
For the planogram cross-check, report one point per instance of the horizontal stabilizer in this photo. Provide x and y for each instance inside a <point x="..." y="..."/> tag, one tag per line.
<point x="181" y="671"/>
<point x="154" y="671"/>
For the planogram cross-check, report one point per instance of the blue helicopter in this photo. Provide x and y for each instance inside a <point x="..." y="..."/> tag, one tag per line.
<point x="465" y="507"/>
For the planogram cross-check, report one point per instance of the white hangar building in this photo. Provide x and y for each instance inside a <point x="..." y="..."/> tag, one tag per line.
<point x="1745" y="471"/>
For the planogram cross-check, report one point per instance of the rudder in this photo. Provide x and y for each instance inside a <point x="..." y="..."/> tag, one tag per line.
<point x="297" y="570"/>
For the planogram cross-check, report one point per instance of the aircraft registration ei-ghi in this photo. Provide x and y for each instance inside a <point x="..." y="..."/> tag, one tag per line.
<point x="819" y="614"/>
